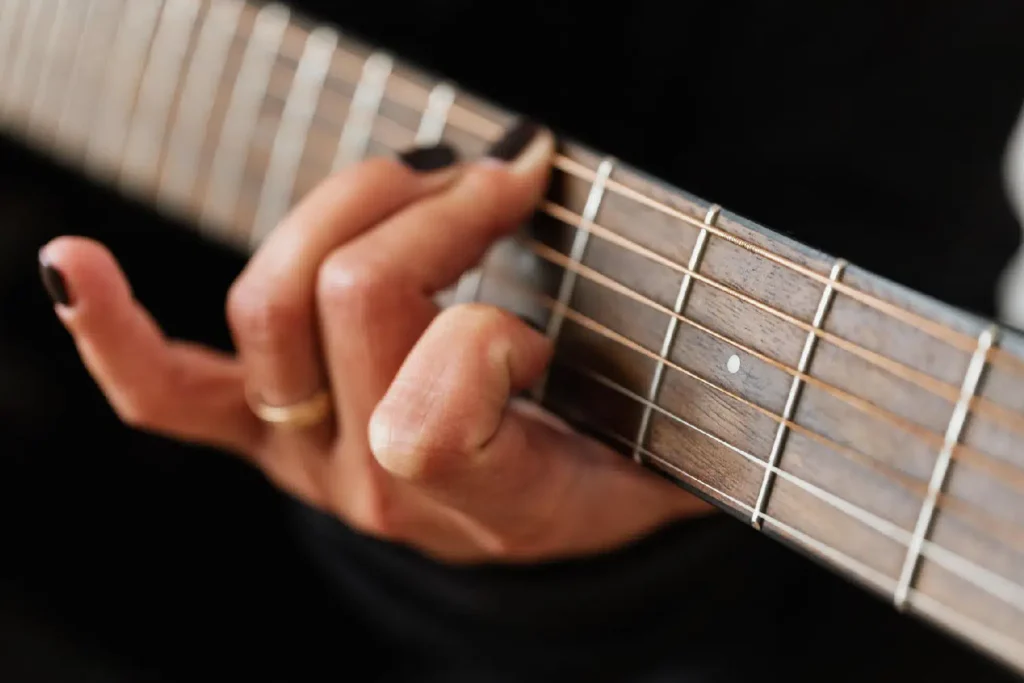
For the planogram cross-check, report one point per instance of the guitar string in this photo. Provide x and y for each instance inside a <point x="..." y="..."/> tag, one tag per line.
<point x="980" y="405"/>
<point x="984" y="521"/>
<point x="868" y="573"/>
<point x="978" y="575"/>
<point x="387" y="128"/>
<point x="719" y="388"/>
<point x="477" y="124"/>
<point x="998" y="586"/>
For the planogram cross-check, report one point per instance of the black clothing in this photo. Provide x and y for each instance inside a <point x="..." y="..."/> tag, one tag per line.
<point x="874" y="131"/>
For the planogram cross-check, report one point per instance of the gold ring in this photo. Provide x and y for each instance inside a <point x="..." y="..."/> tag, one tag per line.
<point x="304" y="413"/>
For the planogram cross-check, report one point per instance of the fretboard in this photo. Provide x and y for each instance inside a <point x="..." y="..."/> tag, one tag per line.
<point x="870" y="426"/>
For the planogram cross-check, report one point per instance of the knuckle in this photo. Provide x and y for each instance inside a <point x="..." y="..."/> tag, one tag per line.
<point x="346" y="284"/>
<point x="261" y="319"/>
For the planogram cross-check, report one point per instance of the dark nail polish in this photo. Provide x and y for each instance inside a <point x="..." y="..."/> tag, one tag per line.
<point x="429" y="158"/>
<point x="54" y="283"/>
<point x="514" y="141"/>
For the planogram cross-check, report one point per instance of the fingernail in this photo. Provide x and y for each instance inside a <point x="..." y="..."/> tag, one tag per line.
<point x="513" y="142"/>
<point x="432" y="158"/>
<point x="54" y="283"/>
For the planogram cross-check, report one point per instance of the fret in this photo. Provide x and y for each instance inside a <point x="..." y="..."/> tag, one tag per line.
<point x="671" y="329"/>
<point x="290" y="141"/>
<point x="199" y="92"/>
<point x="56" y="87"/>
<point x="242" y="117"/>
<point x="430" y="131"/>
<point x="159" y="84"/>
<point x="63" y="14"/>
<point x="577" y="253"/>
<point x="10" y="16"/>
<point x="15" y="94"/>
<point x="82" y="95"/>
<point x="794" y="396"/>
<point x="942" y="462"/>
<point x="117" y="101"/>
<point x="435" y="115"/>
<point x="358" y="127"/>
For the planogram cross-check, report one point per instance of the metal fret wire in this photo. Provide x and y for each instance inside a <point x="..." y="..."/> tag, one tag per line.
<point x="435" y="114"/>
<point x="52" y="43"/>
<point x="141" y="156"/>
<point x="242" y="119"/>
<point x="9" y="13"/>
<point x="19" y="61"/>
<point x="206" y="68"/>
<point x="926" y="545"/>
<point x="130" y="48"/>
<point x="576" y="254"/>
<point x="824" y="306"/>
<point x="696" y="254"/>
<point x="91" y="61"/>
<point x="292" y="133"/>
<point x="363" y="109"/>
<point x="941" y="470"/>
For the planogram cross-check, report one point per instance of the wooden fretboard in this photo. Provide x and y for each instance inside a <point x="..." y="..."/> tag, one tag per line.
<point x="875" y="428"/>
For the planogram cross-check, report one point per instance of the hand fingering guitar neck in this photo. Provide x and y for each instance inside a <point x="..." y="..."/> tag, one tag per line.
<point x="870" y="426"/>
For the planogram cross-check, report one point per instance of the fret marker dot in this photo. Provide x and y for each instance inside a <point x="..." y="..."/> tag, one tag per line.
<point x="733" y="365"/>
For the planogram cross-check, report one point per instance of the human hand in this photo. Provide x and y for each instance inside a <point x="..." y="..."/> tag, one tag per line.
<point x="419" y="440"/>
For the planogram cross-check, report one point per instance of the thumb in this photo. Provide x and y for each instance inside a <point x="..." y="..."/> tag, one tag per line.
<point x="525" y="484"/>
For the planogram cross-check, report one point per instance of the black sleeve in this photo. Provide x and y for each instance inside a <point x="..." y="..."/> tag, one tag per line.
<point x="706" y="600"/>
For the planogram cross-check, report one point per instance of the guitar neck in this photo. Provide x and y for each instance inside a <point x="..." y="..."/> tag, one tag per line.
<point x="870" y="426"/>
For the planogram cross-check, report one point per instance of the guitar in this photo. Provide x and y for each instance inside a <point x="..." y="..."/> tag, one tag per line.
<point x="872" y="427"/>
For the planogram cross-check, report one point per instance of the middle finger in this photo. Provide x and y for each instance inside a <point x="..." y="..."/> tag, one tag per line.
<point x="271" y="305"/>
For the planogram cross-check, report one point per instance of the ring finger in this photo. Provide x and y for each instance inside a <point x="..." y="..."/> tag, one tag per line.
<point x="271" y="308"/>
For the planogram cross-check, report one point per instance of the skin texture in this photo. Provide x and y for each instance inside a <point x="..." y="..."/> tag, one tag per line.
<point x="425" y="445"/>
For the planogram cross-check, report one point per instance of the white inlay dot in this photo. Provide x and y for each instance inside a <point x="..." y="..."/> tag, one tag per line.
<point x="733" y="364"/>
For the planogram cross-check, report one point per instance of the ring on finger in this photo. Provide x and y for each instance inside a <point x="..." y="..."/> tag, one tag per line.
<point x="305" y="413"/>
